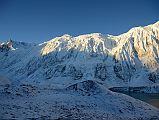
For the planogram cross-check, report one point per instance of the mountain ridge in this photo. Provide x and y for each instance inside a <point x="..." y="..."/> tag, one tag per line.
<point x="117" y="60"/>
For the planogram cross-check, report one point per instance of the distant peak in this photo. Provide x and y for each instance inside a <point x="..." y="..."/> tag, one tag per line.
<point x="66" y="35"/>
<point x="96" y="34"/>
<point x="91" y="35"/>
<point x="156" y="25"/>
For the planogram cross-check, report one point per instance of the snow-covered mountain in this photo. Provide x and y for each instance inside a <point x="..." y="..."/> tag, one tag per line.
<point x="68" y="77"/>
<point x="130" y="59"/>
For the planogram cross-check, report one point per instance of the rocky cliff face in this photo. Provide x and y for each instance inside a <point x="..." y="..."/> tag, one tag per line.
<point x="128" y="59"/>
<point x="138" y="50"/>
<point x="6" y="46"/>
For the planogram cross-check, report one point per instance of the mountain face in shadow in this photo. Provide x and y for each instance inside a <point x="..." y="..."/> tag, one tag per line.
<point x="128" y="59"/>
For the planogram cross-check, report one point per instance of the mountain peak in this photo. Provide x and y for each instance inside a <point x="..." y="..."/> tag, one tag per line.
<point x="66" y="36"/>
<point x="91" y="35"/>
<point x="156" y="24"/>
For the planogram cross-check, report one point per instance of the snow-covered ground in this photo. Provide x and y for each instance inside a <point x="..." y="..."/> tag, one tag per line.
<point x="83" y="100"/>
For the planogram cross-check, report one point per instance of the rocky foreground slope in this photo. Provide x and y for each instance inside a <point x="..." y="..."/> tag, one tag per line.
<point x="68" y="77"/>
<point x="87" y="100"/>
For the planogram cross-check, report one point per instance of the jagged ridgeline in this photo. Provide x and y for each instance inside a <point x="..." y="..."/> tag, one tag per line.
<point x="128" y="59"/>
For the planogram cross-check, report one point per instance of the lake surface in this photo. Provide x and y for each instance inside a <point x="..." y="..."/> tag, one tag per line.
<point x="151" y="98"/>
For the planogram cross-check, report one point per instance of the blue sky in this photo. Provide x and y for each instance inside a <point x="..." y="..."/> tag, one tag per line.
<point x="42" y="20"/>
